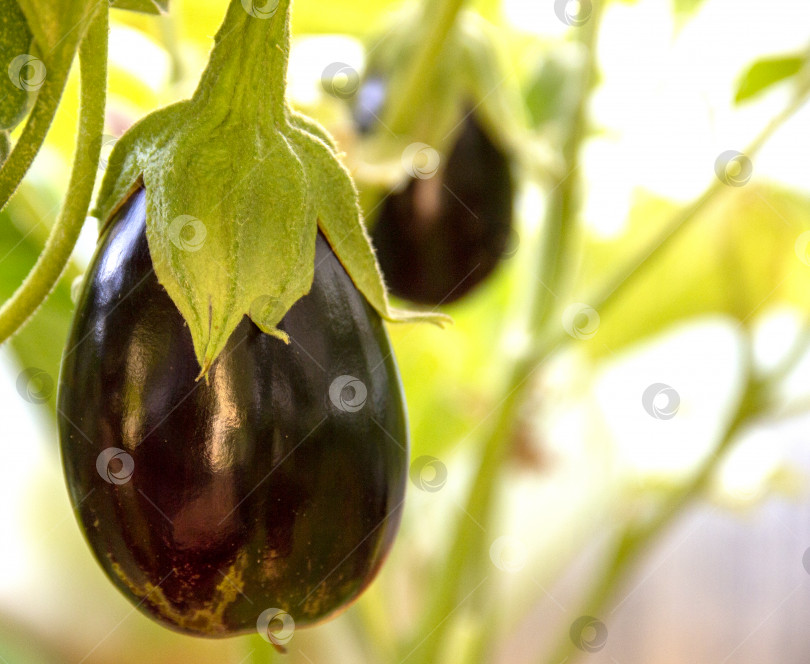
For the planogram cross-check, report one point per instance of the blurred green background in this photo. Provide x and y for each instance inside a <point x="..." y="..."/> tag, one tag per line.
<point x="621" y="477"/>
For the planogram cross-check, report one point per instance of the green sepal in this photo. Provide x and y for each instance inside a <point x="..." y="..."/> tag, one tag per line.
<point x="237" y="186"/>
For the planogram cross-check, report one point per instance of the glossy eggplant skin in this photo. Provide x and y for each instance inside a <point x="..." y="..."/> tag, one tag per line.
<point x="442" y="236"/>
<point x="252" y="490"/>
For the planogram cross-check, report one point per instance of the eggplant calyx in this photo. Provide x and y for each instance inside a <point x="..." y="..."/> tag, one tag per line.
<point x="237" y="186"/>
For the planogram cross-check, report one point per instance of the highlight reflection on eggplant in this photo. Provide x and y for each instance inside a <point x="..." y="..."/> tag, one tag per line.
<point x="207" y="503"/>
<point x="442" y="236"/>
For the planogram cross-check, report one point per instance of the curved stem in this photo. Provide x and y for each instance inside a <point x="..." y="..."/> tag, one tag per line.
<point x="36" y="128"/>
<point x="633" y="541"/>
<point x="404" y="103"/>
<point x="65" y="232"/>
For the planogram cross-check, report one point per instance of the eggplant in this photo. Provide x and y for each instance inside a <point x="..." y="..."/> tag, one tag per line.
<point x="442" y="236"/>
<point x="275" y="483"/>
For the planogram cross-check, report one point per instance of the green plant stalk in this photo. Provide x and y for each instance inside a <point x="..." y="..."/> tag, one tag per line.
<point x="39" y="121"/>
<point x="468" y="555"/>
<point x="405" y="101"/>
<point x="633" y="541"/>
<point x="65" y="232"/>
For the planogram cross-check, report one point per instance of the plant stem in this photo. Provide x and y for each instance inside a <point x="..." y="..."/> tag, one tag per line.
<point x="65" y="232"/>
<point x="36" y="128"/>
<point x="248" y="64"/>
<point x="405" y="100"/>
<point x="633" y="541"/>
<point x="680" y="220"/>
<point x="468" y="555"/>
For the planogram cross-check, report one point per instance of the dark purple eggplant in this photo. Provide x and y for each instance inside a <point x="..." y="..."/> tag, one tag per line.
<point x="442" y="236"/>
<point x="278" y="482"/>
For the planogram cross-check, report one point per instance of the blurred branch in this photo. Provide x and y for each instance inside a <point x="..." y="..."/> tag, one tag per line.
<point x="646" y="257"/>
<point x="405" y="100"/>
<point x="65" y="232"/>
<point x="634" y="540"/>
<point x="467" y="558"/>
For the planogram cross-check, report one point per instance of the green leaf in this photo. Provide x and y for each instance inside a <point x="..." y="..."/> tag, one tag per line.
<point x="765" y="73"/>
<point x="685" y="7"/>
<point x="740" y="256"/>
<point x="39" y="344"/>
<point x="143" y="6"/>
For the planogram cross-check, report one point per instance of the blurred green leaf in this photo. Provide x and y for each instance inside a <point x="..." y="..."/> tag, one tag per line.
<point x="740" y="256"/>
<point x="143" y="6"/>
<point x="765" y="73"/>
<point x="39" y="344"/>
<point x="686" y="6"/>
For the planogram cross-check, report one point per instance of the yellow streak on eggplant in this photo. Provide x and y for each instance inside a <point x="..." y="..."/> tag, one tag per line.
<point x="208" y="620"/>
